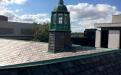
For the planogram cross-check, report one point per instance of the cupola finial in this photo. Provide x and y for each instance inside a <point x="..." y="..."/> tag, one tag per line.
<point x="61" y="2"/>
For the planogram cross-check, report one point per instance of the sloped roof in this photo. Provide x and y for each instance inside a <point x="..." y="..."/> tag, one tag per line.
<point x="60" y="7"/>
<point x="14" y="52"/>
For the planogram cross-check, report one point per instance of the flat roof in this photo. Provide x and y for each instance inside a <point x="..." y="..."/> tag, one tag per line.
<point x="17" y="53"/>
<point x="99" y="25"/>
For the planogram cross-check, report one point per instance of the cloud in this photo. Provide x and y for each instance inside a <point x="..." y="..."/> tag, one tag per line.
<point x="84" y="15"/>
<point x="7" y="2"/>
<point x="30" y="18"/>
<point x="7" y="12"/>
<point x="25" y="18"/>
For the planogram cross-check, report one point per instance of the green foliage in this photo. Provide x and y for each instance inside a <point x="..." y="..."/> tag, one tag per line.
<point x="41" y="32"/>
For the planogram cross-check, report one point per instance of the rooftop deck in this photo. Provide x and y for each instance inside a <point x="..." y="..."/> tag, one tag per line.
<point x="17" y="53"/>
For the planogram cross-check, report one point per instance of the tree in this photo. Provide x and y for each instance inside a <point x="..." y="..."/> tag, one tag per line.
<point x="41" y="32"/>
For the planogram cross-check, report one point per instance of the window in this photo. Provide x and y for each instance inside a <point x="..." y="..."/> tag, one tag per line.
<point x="60" y="20"/>
<point x="4" y="31"/>
<point x="66" y="19"/>
<point x="26" y="31"/>
<point x="54" y="19"/>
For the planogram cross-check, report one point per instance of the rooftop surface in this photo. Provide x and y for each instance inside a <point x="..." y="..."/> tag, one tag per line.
<point x="99" y="25"/>
<point x="13" y="52"/>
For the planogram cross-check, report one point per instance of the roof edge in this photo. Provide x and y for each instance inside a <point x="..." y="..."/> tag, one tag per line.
<point x="52" y="61"/>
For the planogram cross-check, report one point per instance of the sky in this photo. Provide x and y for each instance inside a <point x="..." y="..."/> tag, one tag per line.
<point x="84" y="13"/>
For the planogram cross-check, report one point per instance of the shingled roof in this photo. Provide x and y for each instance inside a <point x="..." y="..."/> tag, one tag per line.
<point x="13" y="52"/>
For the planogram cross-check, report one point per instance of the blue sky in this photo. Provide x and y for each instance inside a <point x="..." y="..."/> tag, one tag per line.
<point x="84" y="13"/>
<point x="46" y="6"/>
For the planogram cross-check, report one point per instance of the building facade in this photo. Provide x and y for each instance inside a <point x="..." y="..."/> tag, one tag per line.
<point x="15" y="29"/>
<point x="110" y="34"/>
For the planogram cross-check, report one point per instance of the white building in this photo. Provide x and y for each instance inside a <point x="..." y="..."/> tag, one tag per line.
<point x="110" y="34"/>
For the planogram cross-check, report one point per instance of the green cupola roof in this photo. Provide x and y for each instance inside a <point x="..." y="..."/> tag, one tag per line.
<point x="61" y="2"/>
<point x="60" y="7"/>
